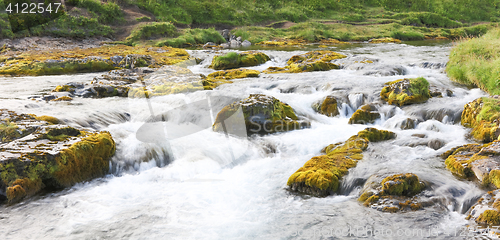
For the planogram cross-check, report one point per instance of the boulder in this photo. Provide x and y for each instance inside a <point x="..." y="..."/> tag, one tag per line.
<point x="320" y="176"/>
<point x="364" y="115"/>
<point x="218" y="78"/>
<point x="309" y="62"/>
<point x="487" y="209"/>
<point x="36" y="153"/>
<point x="483" y="116"/>
<point x="327" y="107"/>
<point x="261" y="115"/>
<point x="406" y="91"/>
<point x="236" y="60"/>
<point x="393" y="193"/>
<point x="246" y="43"/>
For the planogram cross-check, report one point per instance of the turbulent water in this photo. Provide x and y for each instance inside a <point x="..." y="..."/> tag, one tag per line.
<point x="208" y="186"/>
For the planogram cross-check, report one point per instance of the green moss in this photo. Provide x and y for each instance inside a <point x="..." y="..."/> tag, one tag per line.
<point x="320" y="176"/>
<point x="364" y="115"/>
<point x="482" y="116"/>
<point x="406" y="91"/>
<point x="218" y="78"/>
<point x="84" y="160"/>
<point x="9" y="131"/>
<point x="459" y="161"/>
<point x="236" y="60"/>
<point x="490" y="217"/>
<point x="375" y="135"/>
<point x="402" y="185"/>
<point x="60" y="134"/>
<point x="329" y="107"/>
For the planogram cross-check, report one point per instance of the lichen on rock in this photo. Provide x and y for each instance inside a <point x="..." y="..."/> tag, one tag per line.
<point x="262" y="115"/>
<point x="406" y="91"/>
<point x="236" y="60"/>
<point x="320" y="176"/>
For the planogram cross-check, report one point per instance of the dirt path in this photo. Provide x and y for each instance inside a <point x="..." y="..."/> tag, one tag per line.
<point x="131" y="13"/>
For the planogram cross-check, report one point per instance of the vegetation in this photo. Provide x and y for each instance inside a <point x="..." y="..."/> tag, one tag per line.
<point x="236" y="60"/>
<point x="476" y="62"/>
<point x="406" y="91"/>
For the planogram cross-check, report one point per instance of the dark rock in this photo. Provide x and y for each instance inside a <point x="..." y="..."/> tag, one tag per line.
<point x="436" y="144"/>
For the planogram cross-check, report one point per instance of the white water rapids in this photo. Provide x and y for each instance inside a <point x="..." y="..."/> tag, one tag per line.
<point x="205" y="194"/>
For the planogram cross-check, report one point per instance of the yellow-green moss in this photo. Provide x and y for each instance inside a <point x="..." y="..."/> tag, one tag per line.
<point x="83" y="60"/>
<point x="64" y="88"/>
<point x="218" y="78"/>
<point x="459" y="161"/>
<point x="490" y="217"/>
<point x="482" y="115"/>
<point x="320" y="175"/>
<point x="375" y="135"/>
<point x="364" y="115"/>
<point x="84" y="160"/>
<point x="385" y="40"/>
<point x="60" y="134"/>
<point x="309" y="62"/>
<point x="63" y="98"/>
<point x="48" y="119"/>
<point x="406" y="184"/>
<point x="390" y="209"/>
<point x="9" y="131"/>
<point x="236" y="60"/>
<point x="406" y="91"/>
<point x="329" y="107"/>
<point x="22" y="188"/>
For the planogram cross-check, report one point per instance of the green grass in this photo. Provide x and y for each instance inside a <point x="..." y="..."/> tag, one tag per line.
<point x="476" y="62"/>
<point x="407" y="35"/>
<point x="108" y="12"/>
<point x="152" y="30"/>
<point x="191" y="37"/>
<point x="72" y="27"/>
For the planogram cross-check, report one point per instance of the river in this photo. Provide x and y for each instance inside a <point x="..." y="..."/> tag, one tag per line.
<point x="207" y="186"/>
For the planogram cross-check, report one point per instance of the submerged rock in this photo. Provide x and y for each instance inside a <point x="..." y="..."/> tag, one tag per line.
<point x="394" y="193"/>
<point x="364" y="115"/>
<point x="258" y="114"/>
<point x="236" y="60"/>
<point x="309" y="62"/>
<point x="406" y="91"/>
<point x="35" y="154"/>
<point x="483" y="116"/>
<point x="320" y="176"/>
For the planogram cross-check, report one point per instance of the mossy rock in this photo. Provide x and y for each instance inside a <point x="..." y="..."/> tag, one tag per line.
<point x="385" y="40"/>
<point x="53" y="156"/>
<point x="406" y="91"/>
<point x="236" y="60"/>
<point x="458" y="162"/>
<point x="320" y="176"/>
<point x="309" y="62"/>
<point x="218" y="78"/>
<point x="35" y="63"/>
<point x="327" y="107"/>
<point x="486" y="211"/>
<point x="393" y="193"/>
<point x="483" y="116"/>
<point x="364" y="115"/>
<point x="283" y="42"/>
<point x="262" y="115"/>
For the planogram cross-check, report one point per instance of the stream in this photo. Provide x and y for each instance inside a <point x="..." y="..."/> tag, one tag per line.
<point x="205" y="185"/>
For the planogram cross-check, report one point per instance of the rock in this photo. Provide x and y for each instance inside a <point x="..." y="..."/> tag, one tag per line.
<point x="309" y="62"/>
<point x="236" y="60"/>
<point x="419" y="135"/>
<point x="406" y="91"/>
<point x="436" y="143"/>
<point x="393" y="193"/>
<point x="364" y="115"/>
<point x="238" y="39"/>
<point x="226" y="34"/>
<point x="262" y="115"/>
<point x="246" y="43"/>
<point x="487" y="209"/>
<point x="449" y="93"/>
<point x="99" y="59"/>
<point x="408" y="123"/>
<point x="328" y="107"/>
<point x="234" y="44"/>
<point x="483" y="116"/>
<point x="320" y="176"/>
<point x="209" y="45"/>
<point x="36" y="154"/>
<point x="385" y="70"/>
<point x="218" y="78"/>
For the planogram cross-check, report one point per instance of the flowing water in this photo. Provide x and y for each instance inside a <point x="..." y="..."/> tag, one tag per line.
<point x="205" y="185"/>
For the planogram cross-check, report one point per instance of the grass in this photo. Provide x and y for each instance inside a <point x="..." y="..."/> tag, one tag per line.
<point x="476" y="61"/>
<point x="191" y="37"/>
<point x="152" y="30"/>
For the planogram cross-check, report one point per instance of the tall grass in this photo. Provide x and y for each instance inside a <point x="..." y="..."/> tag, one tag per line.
<point x="476" y="61"/>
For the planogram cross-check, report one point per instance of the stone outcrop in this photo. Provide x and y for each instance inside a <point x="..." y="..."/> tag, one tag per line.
<point x="406" y="91"/>
<point x="236" y="60"/>
<point x="36" y="152"/>
<point x="261" y="115"/>
<point x="320" y="176"/>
